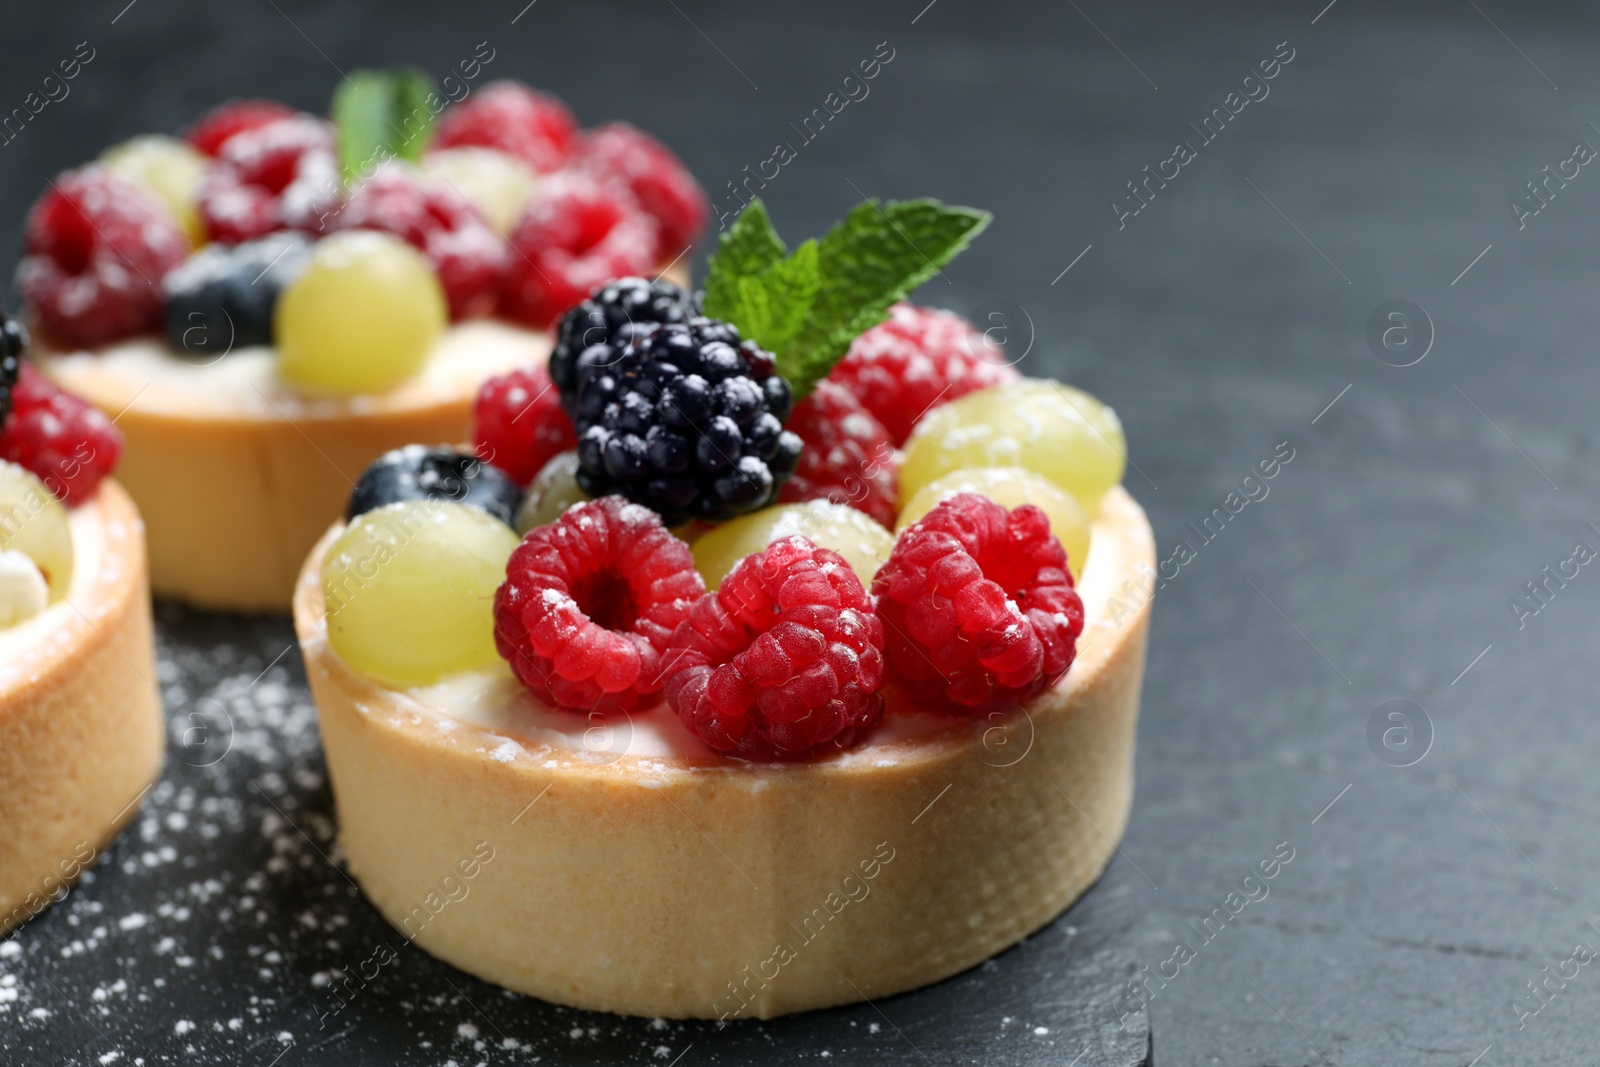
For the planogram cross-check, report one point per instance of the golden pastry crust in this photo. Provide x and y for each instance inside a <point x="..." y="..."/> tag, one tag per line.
<point x="81" y="729"/>
<point x="706" y="887"/>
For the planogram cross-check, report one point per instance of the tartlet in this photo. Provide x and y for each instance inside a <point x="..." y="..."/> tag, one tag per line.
<point x="675" y="882"/>
<point x="682" y="728"/>
<point x="159" y="282"/>
<point x="80" y="713"/>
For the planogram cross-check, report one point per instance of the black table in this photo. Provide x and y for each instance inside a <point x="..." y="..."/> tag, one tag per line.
<point x="1337" y="665"/>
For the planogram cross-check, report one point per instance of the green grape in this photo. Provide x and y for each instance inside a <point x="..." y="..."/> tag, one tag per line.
<point x="494" y="182"/>
<point x="857" y="537"/>
<point x="362" y="318"/>
<point x="168" y="167"/>
<point x="1011" y="487"/>
<point x="1051" y="429"/>
<point x="409" y="590"/>
<point x="33" y="522"/>
<point x="553" y="490"/>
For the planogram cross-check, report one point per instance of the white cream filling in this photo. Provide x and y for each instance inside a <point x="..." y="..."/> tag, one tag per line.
<point x="32" y="642"/>
<point x="246" y="382"/>
<point x="494" y="701"/>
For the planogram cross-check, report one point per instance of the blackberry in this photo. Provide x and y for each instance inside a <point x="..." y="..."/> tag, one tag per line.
<point x="684" y="418"/>
<point x="222" y="297"/>
<point x="13" y="339"/>
<point x="614" y="309"/>
<point x="416" y="472"/>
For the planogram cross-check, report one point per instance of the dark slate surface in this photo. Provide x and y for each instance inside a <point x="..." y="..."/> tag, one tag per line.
<point x="1221" y="320"/>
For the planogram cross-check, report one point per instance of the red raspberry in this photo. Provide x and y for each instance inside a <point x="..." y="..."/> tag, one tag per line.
<point x="275" y="177"/>
<point x="589" y="602"/>
<point x="663" y="186"/>
<point x="519" y="424"/>
<point x="785" y="660"/>
<point x="59" y="437"/>
<point x="466" y="253"/>
<point x="96" y="248"/>
<point x="212" y="129"/>
<point x="534" y="127"/>
<point x="578" y="233"/>
<point x="919" y="359"/>
<point x="848" y="457"/>
<point x="979" y="606"/>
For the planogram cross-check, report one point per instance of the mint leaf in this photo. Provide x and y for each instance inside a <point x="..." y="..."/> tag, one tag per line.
<point x="749" y="247"/>
<point x="772" y="306"/>
<point x="808" y="306"/>
<point x="381" y="115"/>
<point x="875" y="257"/>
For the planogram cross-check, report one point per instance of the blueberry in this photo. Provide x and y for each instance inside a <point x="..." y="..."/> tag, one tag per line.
<point x="419" y="473"/>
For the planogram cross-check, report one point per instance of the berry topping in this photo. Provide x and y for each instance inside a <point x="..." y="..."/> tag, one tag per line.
<point x="1011" y="487"/>
<point x="213" y="129"/>
<point x="69" y="445"/>
<point x="920" y="358"/>
<point x="418" y="473"/>
<point x="13" y="339"/>
<point x="978" y="606"/>
<point x="534" y="127"/>
<point x="36" y="525"/>
<point x="590" y="601"/>
<point x="469" y="257"/>
<point x="409" y="590"/>
<point x="663" y="186"/>
<point x="848" y="456"/>
<point x="579" y="232"/>
<point x="169" y="168"/>
<point x="601" y="319"/>
<point x="361" y="318"/>
<point x="785" y="660"/>
<point x="222" y="297"/>
<point x="553" y="490"/>
<point x="1051" y="429"/>
<point x="497" y="184"/>
<point x="518" y="424"/>
<point x="684" y="418"/>
<point x="862" y="541"/>
<point x="96" y="248"/>
<point x="279" y="176"/>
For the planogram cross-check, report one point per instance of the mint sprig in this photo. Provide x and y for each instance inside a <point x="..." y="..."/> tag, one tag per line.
<point x="806" y="306"/>
<point x="381" y="115"/>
